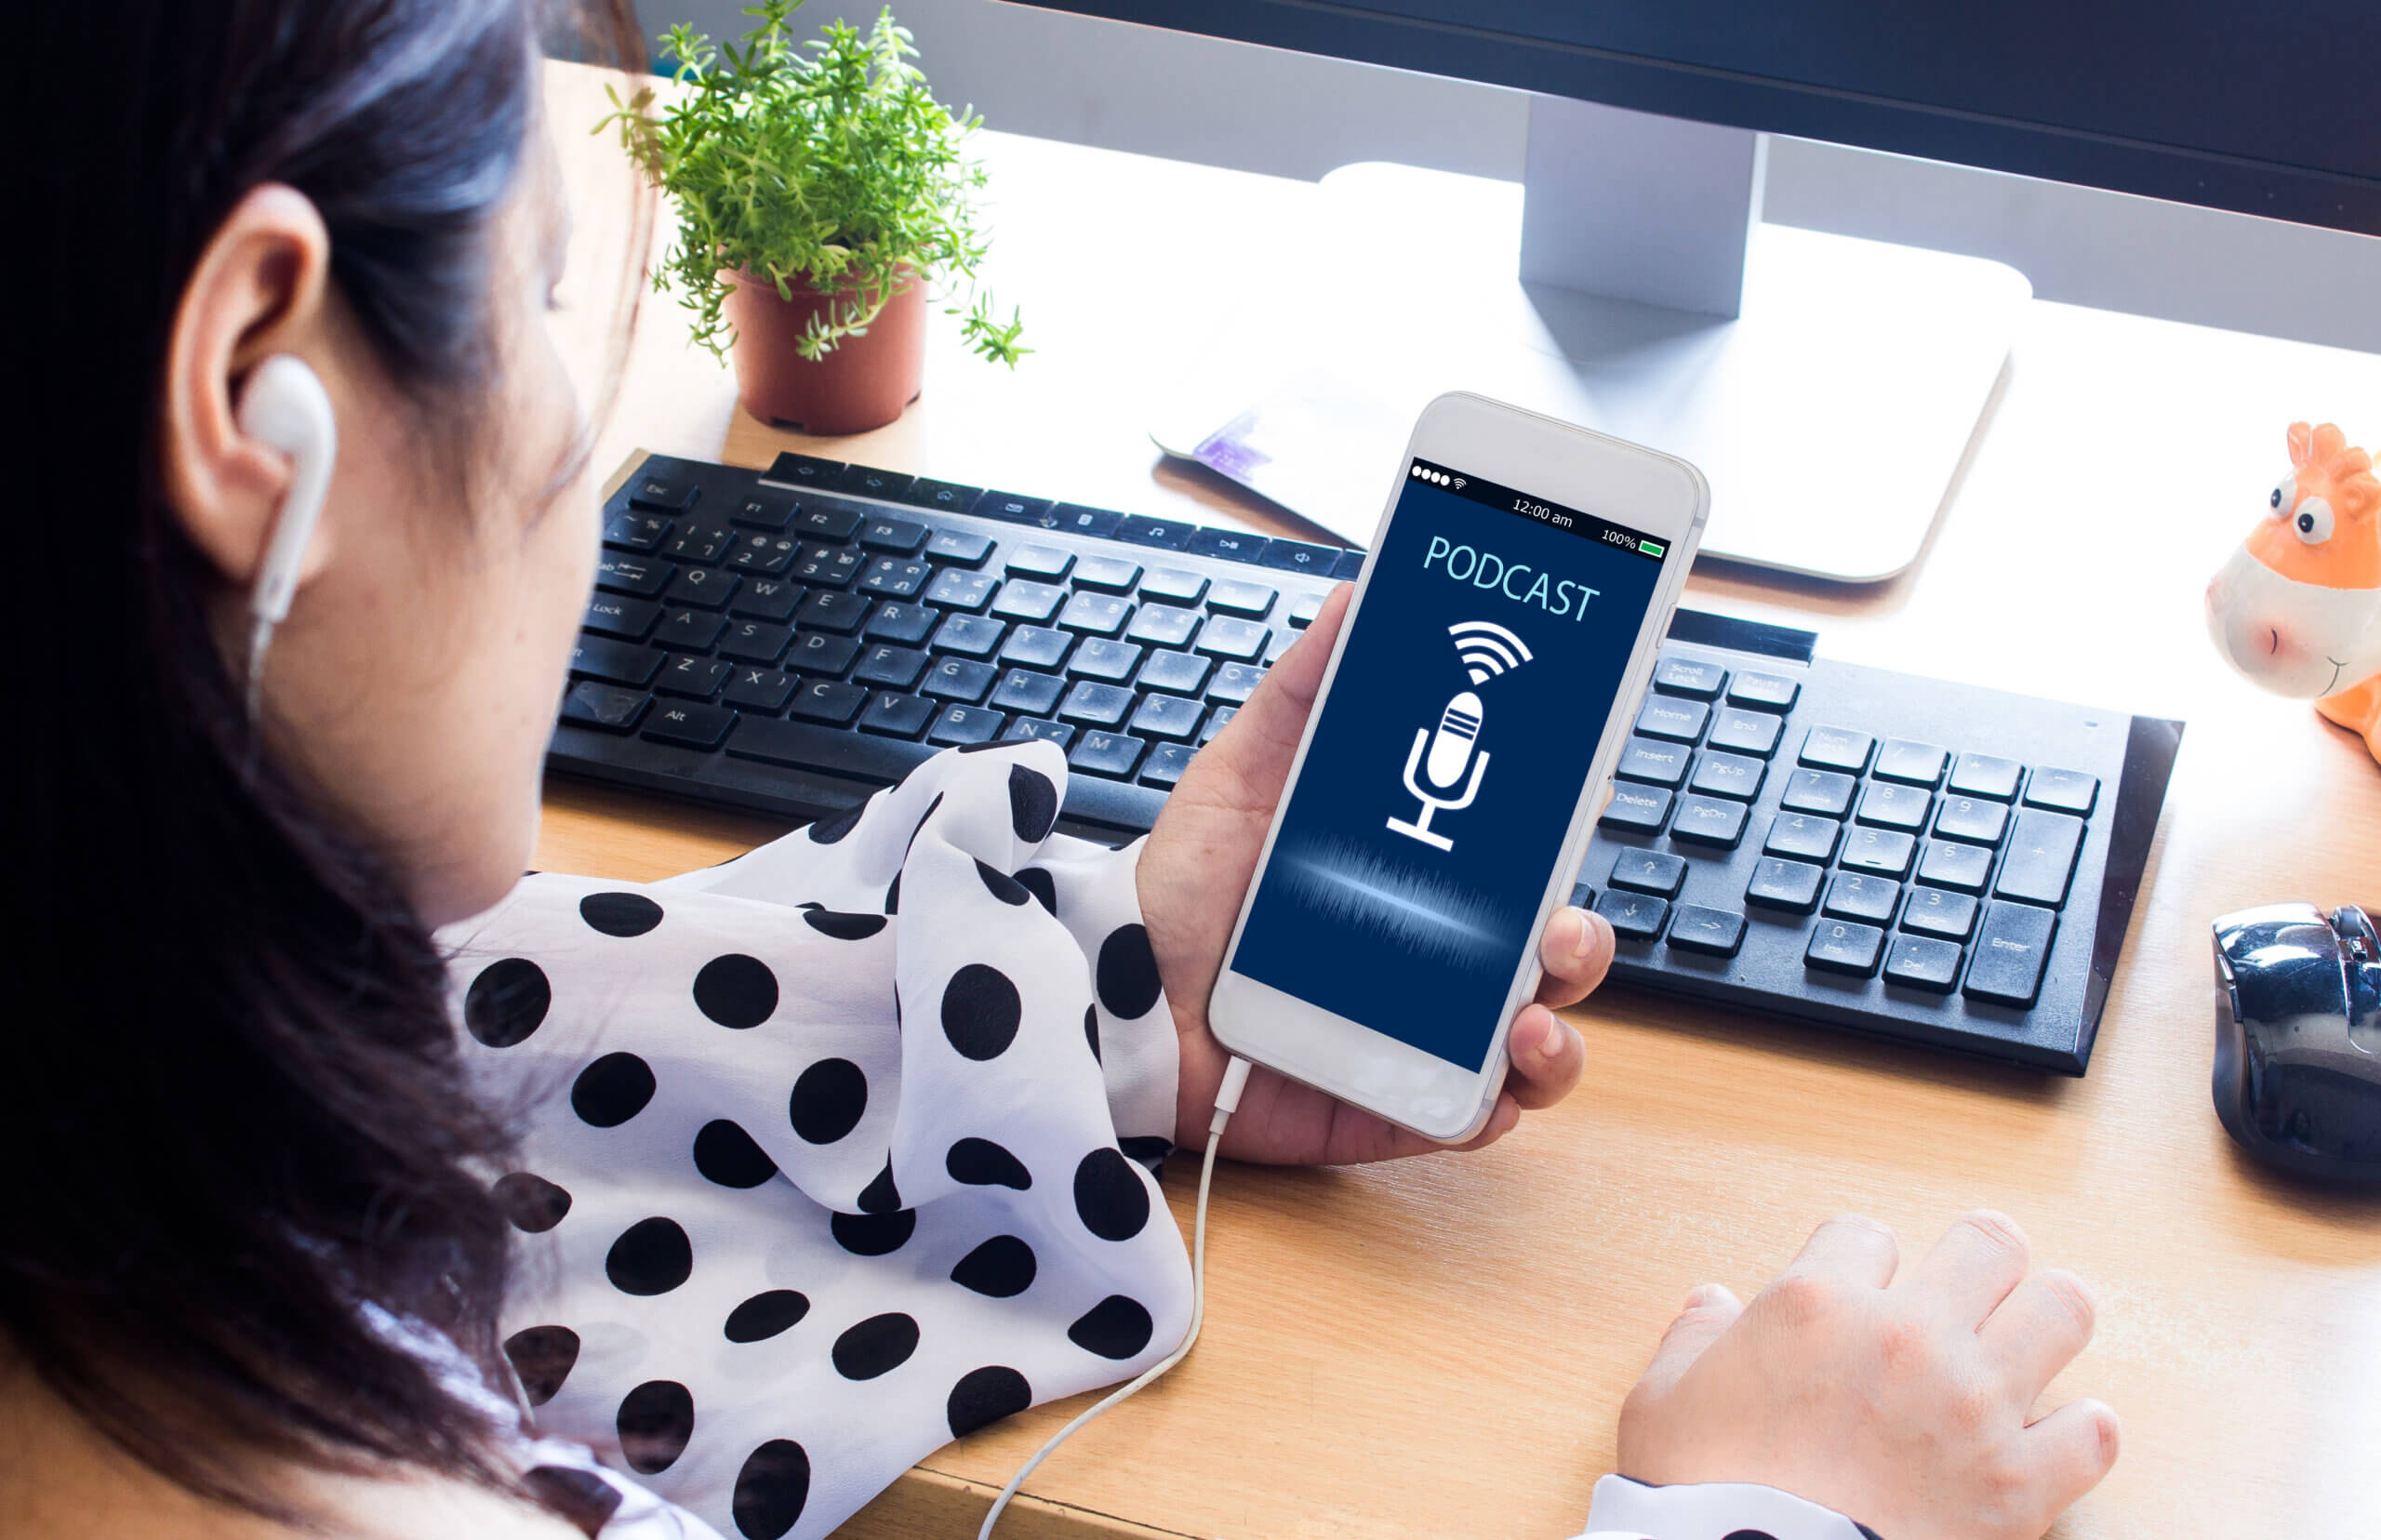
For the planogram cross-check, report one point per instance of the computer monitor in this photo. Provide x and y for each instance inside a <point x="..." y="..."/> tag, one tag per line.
<point x="1779" y="359"/>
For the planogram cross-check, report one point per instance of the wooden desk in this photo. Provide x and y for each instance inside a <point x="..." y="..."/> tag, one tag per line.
<point x="1438" y="1347"/>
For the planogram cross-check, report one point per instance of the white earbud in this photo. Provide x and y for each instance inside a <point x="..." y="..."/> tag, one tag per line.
<point x="284" y="404"/>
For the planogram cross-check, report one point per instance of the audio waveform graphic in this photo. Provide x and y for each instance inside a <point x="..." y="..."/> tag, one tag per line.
<point x="1487" y="649"/>
<point x="1424" y="915"/>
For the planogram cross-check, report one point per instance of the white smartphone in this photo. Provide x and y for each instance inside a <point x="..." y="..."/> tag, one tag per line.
<point x="1521" y="579"/>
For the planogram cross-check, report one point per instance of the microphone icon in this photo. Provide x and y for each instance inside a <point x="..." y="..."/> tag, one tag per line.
<point x="1437" y="761"/>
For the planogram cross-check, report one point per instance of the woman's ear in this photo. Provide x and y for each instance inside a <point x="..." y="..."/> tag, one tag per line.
<point x="261" y="286"/>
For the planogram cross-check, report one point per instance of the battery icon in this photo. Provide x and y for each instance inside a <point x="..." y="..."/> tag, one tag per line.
<point x="1649" y="547"/>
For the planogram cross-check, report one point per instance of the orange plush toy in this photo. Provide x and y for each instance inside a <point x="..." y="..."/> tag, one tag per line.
<point x="2297" y="609"/>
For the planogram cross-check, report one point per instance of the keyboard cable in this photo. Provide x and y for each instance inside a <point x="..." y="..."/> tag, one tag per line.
<point x="1227" y="1102"/>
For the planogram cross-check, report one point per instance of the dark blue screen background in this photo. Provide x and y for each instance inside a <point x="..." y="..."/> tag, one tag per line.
<point x="1413" y="942"/>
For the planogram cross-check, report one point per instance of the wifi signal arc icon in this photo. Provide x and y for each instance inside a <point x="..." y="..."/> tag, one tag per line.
<point x="1487" y="649"/>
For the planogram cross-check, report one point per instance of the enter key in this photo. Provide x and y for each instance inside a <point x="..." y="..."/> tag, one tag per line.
<point x="2011" y="948"/>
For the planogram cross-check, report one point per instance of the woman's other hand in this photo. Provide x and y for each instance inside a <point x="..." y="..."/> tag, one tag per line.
<point x="1194" y="872"/>
<point x="1897" y="1396"/>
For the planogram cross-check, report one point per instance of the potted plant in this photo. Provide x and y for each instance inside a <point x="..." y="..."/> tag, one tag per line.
<point x="820" y="192"/>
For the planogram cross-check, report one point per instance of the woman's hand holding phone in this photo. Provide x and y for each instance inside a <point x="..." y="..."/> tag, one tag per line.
<point x="1194" y="870"/>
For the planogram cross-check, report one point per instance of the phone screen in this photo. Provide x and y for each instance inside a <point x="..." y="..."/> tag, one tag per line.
<point x="1452" y="749"/>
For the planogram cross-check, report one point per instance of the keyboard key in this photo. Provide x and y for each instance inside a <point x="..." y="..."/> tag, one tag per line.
<point x="767" y="598"/>
<point x="1856" y="896"/>
<point x="956" y="587"/>
<point x="895" y="576"/>
<point x="1978" y="820"/>
<point x="1101" y="659"/>
<point x="828" y="520"/>
<point x="1745" y="732"/>
<point x="1678" y="721"/>
<point x="1107" y="574"/>
<point x="1045" y="563"/>
<point x="689" y="631"/>
<point x="2011" y="947"/>
<point x="615" y="662"/>
<point x="2041" y="857"/>
<point x="1095" y="523"/>
<point x="689" y="725"/>
<point x="695" y="678"/>
<point x="959" y="724"/>
<point x="1918" y="963"/>
<point x="1179" y="673"/>
<point x="640" y="532"/>
<point x="1653" y="762"/>
<point x="1173" y="586"/>
<point x="1302" y="614"/>
<point x="1114" y="754"/>
<point x="1095" y="705"/>
<point x="908" y="624"/>
<point x="1790" y="886"/>
<point x="1224" y="637"/>
<point x="1708" y="821"/>
<point x="1687" y="676"/>
<point x="890" y="668"/>
<point x="959" y="679"/>
<point x="896" y="715"/>
<point x="1165" y="533"/>
<point x="700" y="543"/>
<point x="1983" y="776"/>
<point x="1915" y="763"/>
<point x="1634" y="916"/>
<point x="706" y="587"/>
<point x="1884" y="850"/>
<point x="639" y="575"/>
<point x="1010" y="507"/>
<point x="1035" y="730"/>
<point x="2063" y="791"/>
<point x="1804" y="836"/>
<point x="1095" y="614"/>
<point x="1762" y="692"/>
<point x="881" y="758"/>
<point x="764" y="512"/>
<point x="792" y="470"/>
<point x="1729" y="776"/>
<point x="1162" y="625"/>
<point x="1234" y="683"/>
<point x="755" y="642"/>
<point x="1026" y="692"/>
<point x="1841" y="945"/>
<point x="959" y="547"/>
<point x="1023" y="600"/>
<point x="1233" y="545"/>
<point x="1653" y="871"/>
<point x="663" y="493"/>
<point x="755" y="689"/>
<point x="1642" y="808"/>
<point x="1826" y="792"/>
<point x="1297" y="556"/>
<point x="1166" y="763"/>
<point x="893" y="536"/>
<point x="1216" y="720"/>
<point x="970" y="635"/>
<point x="1895" y="806"/>
<point x="942" y="495"/>
<point x="610" y="614"/>
<point x="764" y="554"/>
<point x="833" y="610"/>
<point x="829" y="700"/>
<point x="826" y="567"/>
<point x="1249" y="599"/>
<point x="1716" y="932"/>
<point x="1036" y="647"/>
<point x="606" y="707"/>
<point x="1837" y="749"/>
<point x="1166" y="716"/>
<point x="820" y="653"/>
<point x="869" y="482"/>
<point x="1938" y="912"/>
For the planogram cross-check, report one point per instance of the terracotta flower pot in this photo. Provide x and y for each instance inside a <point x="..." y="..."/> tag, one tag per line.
<point x="863" y="382"/>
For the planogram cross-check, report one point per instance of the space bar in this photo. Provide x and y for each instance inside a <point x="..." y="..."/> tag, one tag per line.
<point x="834" y="750"/>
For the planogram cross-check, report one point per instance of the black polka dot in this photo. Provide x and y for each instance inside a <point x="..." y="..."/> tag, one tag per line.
<point x="735" y="991"/>
<point x="653" y="1257"/>
<point x="834" y="826"/>
<point x="507" y="1001"/>
<point x="844" y="928"/>
<point x="1129" y="982"/>
<point x="1003" y="886"/>
<point x="1749" y="1535"/>
<point x="877" y="1346"/>
<point x="1003" y="1268"/>
<point x="923" y="819"/>
<point x="765" y="1315"/>
<point x="654" y="1421"/>
<point x="987" y="746"/>
<point x="880" y="1196"/>
<point x="874" y="1234"/>
<point x="612" y="1089"/>
<point x="1091" y="1031"/>
<point x="619" y="913"/>
<point x="579" y="1499"/>
<point x="1039" y="883"/>
<point x="728" y="1155"/>
<point x="980" y="1162"/>
<point x="980" y="1011"/>
<point x="827" y="1100"/>
<point x="984" y="1396"/>
<point x="1149" y="1150"/>
<point x="1115" y="1328"/>
<point x="770" y="1490"/>
<point x="1032" y="803"/>
<point x="892" y="894"/>
<point x="542" y="1356"/>
<point x="1110" y="1197"/>
<point x="533" y="1204"/>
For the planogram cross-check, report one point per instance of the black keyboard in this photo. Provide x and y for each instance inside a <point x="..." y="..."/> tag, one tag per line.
<point x="1895" y="854"/>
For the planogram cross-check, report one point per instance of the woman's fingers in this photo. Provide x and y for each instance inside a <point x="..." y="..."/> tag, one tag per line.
<point x="1576" y="952"/>
<point x="2070" y="1451"/>
<point x="1709" y="1310"/>
<point x="1971" y="1270"/>
<point x="1548" y="1056"/>
<point x="1850" y="1248"/>
<point x="2038" y="1330"/>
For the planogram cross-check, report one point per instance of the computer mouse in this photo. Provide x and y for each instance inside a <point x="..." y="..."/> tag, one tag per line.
<point x="2298" y="1039"/>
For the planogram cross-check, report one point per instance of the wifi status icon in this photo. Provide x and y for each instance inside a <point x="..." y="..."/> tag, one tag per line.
<point x="1487" y="649"/>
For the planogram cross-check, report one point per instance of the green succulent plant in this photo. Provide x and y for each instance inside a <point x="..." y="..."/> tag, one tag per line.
<point x="827" y="165"/>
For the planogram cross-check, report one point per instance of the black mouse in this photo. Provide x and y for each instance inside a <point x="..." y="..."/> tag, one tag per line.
<point x="2298" y="1039"/>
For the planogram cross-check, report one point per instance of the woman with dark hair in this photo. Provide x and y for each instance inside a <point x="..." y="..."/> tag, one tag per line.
<point x="276" y="1152"/>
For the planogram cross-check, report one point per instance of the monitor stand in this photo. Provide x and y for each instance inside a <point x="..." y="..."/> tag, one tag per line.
<point x="1829" y="388"/>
